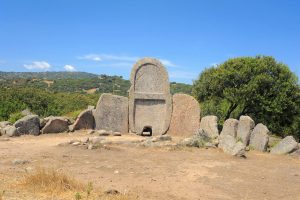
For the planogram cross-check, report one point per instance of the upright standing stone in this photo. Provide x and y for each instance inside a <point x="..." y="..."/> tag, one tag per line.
<point x="111" y="113"/>
<point x="259" y="138"/>
<point x="245" y="128"/>
<point x="230" y="128"/>
<point x="150" y="102"/>
<point x="29" y="124"/>
<point x="209" y="124"/>
<point x="185" y="119"/>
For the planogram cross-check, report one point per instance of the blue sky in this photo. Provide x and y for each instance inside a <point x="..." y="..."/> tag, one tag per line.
<point x="106" y="37"/>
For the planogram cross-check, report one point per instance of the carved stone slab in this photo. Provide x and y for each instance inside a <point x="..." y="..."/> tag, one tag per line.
<point x="150" y="101"/>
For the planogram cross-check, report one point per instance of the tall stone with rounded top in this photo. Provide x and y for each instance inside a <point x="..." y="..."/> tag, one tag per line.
<point x="150" y="101"/>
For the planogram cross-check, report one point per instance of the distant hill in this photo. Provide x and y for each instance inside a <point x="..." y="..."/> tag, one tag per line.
<point x="81" y="82"/>
<point x="46" y="75"/>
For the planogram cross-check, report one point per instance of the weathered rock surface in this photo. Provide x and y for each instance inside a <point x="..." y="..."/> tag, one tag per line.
<point x="209" y="124"/>
<point x="10" y="131"/>
<point x="296" y="153"/>
<point x="29" y="124"/>
<point x="20" y="162"/>
<point x="230" y="128"/>
<point x="285" y="146"/>
<point x="199" y="139"/>
<point x="239" y="150"/>
<point x="3" y="124"/>
<point x="227" y="143"/>
<point x="85" y="120"/>
<point x="259" y="138"/>
<point x="56" y="125"/>
<point x="185" y="120"/>
<point x="150" y="101"/>
<point x="245" y="128"/>
<point x="112" y="113"/>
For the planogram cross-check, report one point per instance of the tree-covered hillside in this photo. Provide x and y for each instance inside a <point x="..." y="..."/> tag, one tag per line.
<point x="60" y="93"/>
<point x="75" y="82"/>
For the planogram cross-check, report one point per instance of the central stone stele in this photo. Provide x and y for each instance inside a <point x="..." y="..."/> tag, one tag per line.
<point x="150" y="101"/>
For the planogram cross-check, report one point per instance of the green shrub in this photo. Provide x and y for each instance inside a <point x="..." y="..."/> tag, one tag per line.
<point x="15" y="117"/>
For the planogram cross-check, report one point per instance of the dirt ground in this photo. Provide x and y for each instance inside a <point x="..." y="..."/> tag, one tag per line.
<point x="154" y="172"/>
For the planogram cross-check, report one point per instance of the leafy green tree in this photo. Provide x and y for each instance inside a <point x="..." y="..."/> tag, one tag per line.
<point x="258" y="86"/>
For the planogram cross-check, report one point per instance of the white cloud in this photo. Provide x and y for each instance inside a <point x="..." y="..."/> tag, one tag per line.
<point x="69" y="68"/>
<point x="108" y="57"/>
<point x="167" y="63"/>
<point x="42" y="65"/>
<point x="93" y="57"/>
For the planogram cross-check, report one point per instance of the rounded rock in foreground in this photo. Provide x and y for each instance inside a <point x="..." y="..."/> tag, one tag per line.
<point x="28" y="125"/>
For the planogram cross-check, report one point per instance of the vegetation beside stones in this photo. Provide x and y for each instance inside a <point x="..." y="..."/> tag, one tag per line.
<point x="259" y="87"/>
<point x="59" y="93"/>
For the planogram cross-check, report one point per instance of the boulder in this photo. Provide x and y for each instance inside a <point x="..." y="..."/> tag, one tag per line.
<point x="239" y="150"/>
<point x="209" y="124"/>
<point x="10" y="131"/>
<point x="296" y="153"/>
<point x="259" y="138"/>
<point x="229" y="145"/>
<point x="185" y="120"/>
<point x="230" y="128"/>
<point x="4" y="124"/>
<point x="245" y="128"/>
<point x="85" y="120"/>
<point x="199" y="139"/>
<point x="56" y="125"/>
<point x="285" y="146"/>
<point x="112" y="113"/>
<point x="29" y="124"/>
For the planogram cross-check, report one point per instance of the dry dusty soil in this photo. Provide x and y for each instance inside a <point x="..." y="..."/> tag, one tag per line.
<point x="154" y="172"/>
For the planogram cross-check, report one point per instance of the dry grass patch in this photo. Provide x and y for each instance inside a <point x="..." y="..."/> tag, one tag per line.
<point x="45" y="183"/>
<point x="51" y="181"/>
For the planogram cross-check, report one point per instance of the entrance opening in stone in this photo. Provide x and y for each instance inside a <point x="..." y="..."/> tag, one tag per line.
<point x="147" y="131"/>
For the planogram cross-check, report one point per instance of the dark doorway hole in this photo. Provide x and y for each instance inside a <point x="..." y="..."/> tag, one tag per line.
<point x="147" y="131"/>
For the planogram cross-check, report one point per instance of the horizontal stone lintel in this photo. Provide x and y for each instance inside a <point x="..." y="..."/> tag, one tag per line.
<point x="143" y="95"/>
